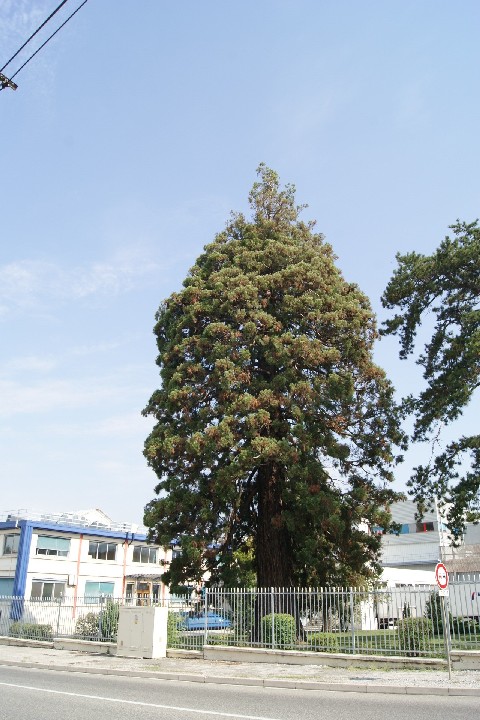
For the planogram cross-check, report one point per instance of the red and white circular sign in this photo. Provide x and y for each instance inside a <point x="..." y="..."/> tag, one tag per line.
<point x="441" y="576"/>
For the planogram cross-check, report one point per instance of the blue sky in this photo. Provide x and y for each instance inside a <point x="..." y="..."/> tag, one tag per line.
<point x="132" y="136"/>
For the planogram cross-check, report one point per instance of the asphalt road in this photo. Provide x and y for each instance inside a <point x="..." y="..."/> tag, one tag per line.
<point x="27" y="694"/>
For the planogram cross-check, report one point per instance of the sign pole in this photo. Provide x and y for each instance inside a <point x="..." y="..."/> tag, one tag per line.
<point x="446" y="634"/>
<point x="441" y="577"/>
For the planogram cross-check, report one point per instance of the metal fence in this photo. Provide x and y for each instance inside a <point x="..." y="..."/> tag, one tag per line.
<point x="45" y="619"/>
<point x="405" y="620"/>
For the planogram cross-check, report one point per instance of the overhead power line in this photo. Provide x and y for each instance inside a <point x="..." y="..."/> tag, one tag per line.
<point x="33" y="34"/>
<point x="49" y="38"/>
<point x="8" y="82"/>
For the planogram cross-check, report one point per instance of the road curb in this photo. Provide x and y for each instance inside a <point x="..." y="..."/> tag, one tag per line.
<point x="256" y="682"/>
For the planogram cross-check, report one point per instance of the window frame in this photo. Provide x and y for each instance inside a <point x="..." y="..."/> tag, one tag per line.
<point x="14" y="550"/>
<point x="50" y="552"/>
<point x="424" y="526"/>
<point x="99" y="544"/>
<point x="11" y="582"/>
<point x="93" y="597"/>
<point x="145" y="550"/>
<point x="55" y="596"/>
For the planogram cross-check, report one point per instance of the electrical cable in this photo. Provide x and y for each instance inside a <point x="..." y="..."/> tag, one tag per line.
<point x="33" y="34"/>
<point x="48" y="39"/>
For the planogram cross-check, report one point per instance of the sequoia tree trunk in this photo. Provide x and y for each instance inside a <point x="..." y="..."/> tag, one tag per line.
<point x="274" y="553"/>
<point x="273" y="547"/>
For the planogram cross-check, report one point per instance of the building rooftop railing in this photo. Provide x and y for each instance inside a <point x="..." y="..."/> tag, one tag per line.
<point x="75" y="519"/>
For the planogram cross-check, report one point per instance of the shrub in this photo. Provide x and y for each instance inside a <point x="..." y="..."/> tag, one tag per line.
<point x="464" y="626"/>
<point x="244" y="616"/>
<point x="32" y="631"/>
<point x="101" y="625"/>
<point x="284" y="631"/>
<point x="324" y="642"/>
<point x="175" y="623"/>
<point x="433" y="611"/>
<point x="414" y="635"/>
<point x="86" y="626"/>
<point x="109" y="620"/>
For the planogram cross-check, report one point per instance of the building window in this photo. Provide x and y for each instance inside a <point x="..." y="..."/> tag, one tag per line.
<point x="144" y="554"/>
<point x="47" y="590"/>
<point x="53" y="546"/>
<point x="424" y="527"/>
<point x="129" y="591"/>
<point x="11" y="544"/>
<point x="95" y="590"/>
<point x="102" y="550"/>
<point x="6" y="587"/>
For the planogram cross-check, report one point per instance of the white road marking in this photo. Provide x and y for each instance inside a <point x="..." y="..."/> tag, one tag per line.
<point x="138" y="702"/>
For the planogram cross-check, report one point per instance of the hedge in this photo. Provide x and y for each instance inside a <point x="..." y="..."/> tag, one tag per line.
<point x="32" y="631"/>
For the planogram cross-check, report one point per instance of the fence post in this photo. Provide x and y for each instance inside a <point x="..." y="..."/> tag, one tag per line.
<point x="446" y="634"/>
<point x="272" y="609"/>
<point x="100" y="616"/>
<point x="352" y="619"/>
<point x="205" y="612"/>
<point x="58" y="614"/>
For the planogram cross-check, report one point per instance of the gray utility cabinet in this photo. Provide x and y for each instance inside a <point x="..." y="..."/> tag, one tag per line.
<point x="142" y="632"/>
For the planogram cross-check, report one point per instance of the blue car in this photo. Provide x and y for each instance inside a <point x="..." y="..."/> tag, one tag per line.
<point x="214" y="621"/>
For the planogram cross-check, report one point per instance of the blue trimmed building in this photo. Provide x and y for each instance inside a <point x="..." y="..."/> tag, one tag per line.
<point x="77" y="555"/>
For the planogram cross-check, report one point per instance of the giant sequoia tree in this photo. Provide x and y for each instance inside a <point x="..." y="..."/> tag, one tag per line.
<point x="443" y="287"/>
<point x="274" y="428"/>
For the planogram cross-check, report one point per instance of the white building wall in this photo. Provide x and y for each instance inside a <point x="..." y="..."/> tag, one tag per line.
<point x="410" y="558"/>
<point x="472" y="534"/>
<point x="78" y="567"/>
<point x="413" y="548"/>
<point x="395" y="576"/>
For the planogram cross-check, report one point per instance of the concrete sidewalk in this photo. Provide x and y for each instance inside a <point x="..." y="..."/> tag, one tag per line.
<point x="308" y="677"/>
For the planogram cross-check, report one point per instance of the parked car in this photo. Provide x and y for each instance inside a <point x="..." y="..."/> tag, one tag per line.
<point x="214" y="621"/>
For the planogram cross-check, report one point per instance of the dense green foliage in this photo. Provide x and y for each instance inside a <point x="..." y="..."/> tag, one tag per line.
<point x="101" y="625"/>
<point x="86" y="626"/>
<point x="275" y="431"/>
<point x="109" y="620"/>
<point x="175" y="624"/>
<point x="434" y="612"/>
<point x="32" y="631"/>
<point x="445" y="286"/>
<point x="279" y="630"/>
<point x="324" y="642"/>
<point x="415" y="635"/>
